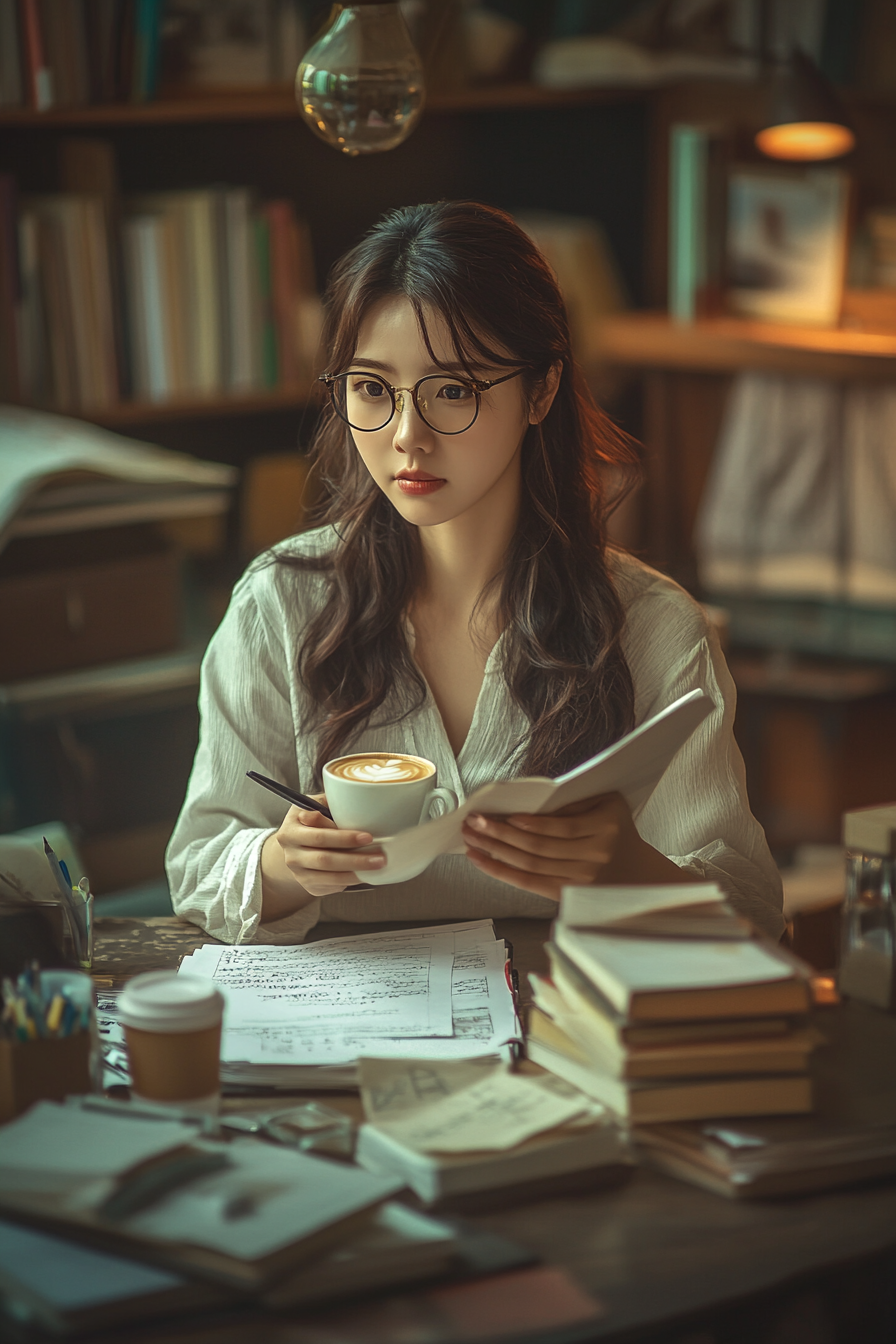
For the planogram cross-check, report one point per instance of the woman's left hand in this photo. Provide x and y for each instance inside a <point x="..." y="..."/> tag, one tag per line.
<point x="591" y="843"/>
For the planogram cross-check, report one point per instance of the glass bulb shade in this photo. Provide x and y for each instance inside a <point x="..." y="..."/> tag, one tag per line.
<point x="803" y="141"/>
<point x="360" y="86"/>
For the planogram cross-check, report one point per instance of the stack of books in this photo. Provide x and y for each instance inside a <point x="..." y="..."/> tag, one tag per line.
<point x="663" y="1006"/>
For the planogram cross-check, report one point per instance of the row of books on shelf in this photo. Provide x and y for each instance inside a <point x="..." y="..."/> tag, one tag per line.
<point x="69" y="53"/>
<point x="181" y="294"/>
<point x="74" y="53"/>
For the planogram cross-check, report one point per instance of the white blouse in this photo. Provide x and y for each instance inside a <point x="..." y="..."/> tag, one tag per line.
<point x="251" y="704"/>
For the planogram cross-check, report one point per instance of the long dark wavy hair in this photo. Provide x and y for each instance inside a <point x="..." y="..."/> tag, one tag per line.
<point x="562" y="619"/>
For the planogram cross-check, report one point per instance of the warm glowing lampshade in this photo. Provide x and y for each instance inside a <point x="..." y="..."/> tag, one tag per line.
<point x="360" y="86"/>
<point x="805" y="140"/>
<point x="806" y="120"/>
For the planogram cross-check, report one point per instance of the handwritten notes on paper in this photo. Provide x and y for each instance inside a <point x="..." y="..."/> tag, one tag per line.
<point x="402" y="982"/>
<point x="437" y="991"/>
<point x="464" y="1107"/>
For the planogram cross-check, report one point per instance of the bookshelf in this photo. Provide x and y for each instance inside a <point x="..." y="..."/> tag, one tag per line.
<point x="651" y="340"/>
<point x="481" y="141"/>
<point x="813" y="733"/>
<point x="515" y="145"/>
<point x="278" y="102"/>
<point x="127" y="414"/>
<point x="686" y="370"/>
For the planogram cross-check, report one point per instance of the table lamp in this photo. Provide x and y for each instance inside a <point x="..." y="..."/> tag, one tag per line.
<point x="360" y="85"/>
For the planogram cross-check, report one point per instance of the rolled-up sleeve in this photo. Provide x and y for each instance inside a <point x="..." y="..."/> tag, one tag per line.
<point x="247" y="722"/>
<point x="699" y="814"/>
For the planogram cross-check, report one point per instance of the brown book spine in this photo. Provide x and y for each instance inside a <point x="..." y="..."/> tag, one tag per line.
<point x="10" y="292"/>
<point x="284" y="286"/>
<point x="38" y="77"/>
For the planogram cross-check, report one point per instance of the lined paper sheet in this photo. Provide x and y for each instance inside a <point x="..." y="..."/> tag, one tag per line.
<point x="440" y="991"/>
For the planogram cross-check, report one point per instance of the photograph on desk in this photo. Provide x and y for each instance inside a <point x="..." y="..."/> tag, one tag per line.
<point x="787" y="243"/>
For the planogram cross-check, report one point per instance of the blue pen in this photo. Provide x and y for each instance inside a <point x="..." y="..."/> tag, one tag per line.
<point x="69" y="1013"/>
<point x="74" y="909"/>
<point x="65" y="873"/>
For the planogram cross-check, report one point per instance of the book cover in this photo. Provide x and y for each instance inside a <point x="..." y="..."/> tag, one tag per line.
<point x="39" y="79"/>
<point x="100" y="305"/>
<point x="10" y="291"/>
<point x="755" y="1159"/>
<point x="12" y="89"/>
<point x="60" y="1163"/>
<point x="32" y="331"/>
<point x="634" y="766"/>
<point x="57" y="301"/>
<point x="697" y="209"/>
<point x="203" y="270"/>
<point x="243" y="358"/>
<point x="267" y="327"/>
<point x="284" y="286"/>
<point x="657" y="979"/>
<point x="70" y="1289"/>
<point x="786" y="1052"/>
<point x="655" y="1100"/>
<point x="610" y="1024"/>
<point x="134" y="240"/>
<point x="675" y="910"/>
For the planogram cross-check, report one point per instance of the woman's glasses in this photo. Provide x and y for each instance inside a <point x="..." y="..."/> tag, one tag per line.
<point x="448" y="405"/>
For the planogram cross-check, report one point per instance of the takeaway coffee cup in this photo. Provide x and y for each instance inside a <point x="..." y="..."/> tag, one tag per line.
<point x="383" y="792"/>
<point x="172" y="1026"/>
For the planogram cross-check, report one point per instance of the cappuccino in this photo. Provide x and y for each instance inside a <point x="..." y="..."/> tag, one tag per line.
<point x="383" y="792"/>
<point x="381" y="768"/>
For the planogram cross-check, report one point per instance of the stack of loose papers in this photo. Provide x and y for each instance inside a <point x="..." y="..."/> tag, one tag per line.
<point x="303" y="1016"/>
<point x="451" y="1128"/>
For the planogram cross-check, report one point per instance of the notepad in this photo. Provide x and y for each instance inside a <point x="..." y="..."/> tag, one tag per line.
<point x="633" y="766"/>
<point x="59" y="1163"/>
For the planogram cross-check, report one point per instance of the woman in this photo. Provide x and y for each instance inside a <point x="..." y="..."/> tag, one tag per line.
<point x="460" y="603"/>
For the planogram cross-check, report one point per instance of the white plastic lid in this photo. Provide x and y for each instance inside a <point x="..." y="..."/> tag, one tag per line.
<point x="168" y="1002"/>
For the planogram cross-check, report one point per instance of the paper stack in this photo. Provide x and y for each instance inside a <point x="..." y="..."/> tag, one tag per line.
<point x="302" y="1016"/>
<point x="663" y="1006"/>
<point x="452" y="1129"/>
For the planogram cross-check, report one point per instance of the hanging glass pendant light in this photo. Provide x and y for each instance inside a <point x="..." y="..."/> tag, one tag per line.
<point x="360" y="85"/>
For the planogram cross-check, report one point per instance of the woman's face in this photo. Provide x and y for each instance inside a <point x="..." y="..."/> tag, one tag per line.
<point x="433" y="478"/>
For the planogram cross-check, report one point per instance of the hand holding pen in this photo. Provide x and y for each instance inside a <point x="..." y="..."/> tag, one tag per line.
<point x="322" y="859"/>
<point x="291" y="795"/>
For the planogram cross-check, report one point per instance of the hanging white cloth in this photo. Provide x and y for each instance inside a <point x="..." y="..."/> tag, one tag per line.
<point x="801" y="497"/>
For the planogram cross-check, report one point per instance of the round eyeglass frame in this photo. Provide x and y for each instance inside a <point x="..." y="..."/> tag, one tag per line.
<point x="479" y="386"/>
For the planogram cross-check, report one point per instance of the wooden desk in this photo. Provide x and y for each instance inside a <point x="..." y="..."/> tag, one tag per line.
<point x="660" y="1255"/>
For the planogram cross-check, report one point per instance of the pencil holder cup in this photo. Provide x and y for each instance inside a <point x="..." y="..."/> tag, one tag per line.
<point x="56" y="1065"/>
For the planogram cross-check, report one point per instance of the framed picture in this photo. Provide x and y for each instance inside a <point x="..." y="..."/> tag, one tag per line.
<point x="787" y="243"/>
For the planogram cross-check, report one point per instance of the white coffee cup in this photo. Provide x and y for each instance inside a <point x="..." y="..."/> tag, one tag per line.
<point x="172" y="1026"/>
<point x="383" y="792"/>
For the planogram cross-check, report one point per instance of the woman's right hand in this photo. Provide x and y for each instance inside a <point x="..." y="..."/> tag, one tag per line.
<point x="310" y="857"/>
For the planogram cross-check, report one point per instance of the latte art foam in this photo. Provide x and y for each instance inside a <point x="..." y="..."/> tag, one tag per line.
<point x="381" y="769"/>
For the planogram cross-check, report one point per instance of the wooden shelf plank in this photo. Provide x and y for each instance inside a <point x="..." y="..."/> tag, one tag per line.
<point x="194" y="408"/>
<point x="728" y="345"/>
<point x="278" y="103"/>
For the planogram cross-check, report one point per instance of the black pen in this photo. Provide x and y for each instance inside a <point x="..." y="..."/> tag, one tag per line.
<point x="291" y="796"/>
